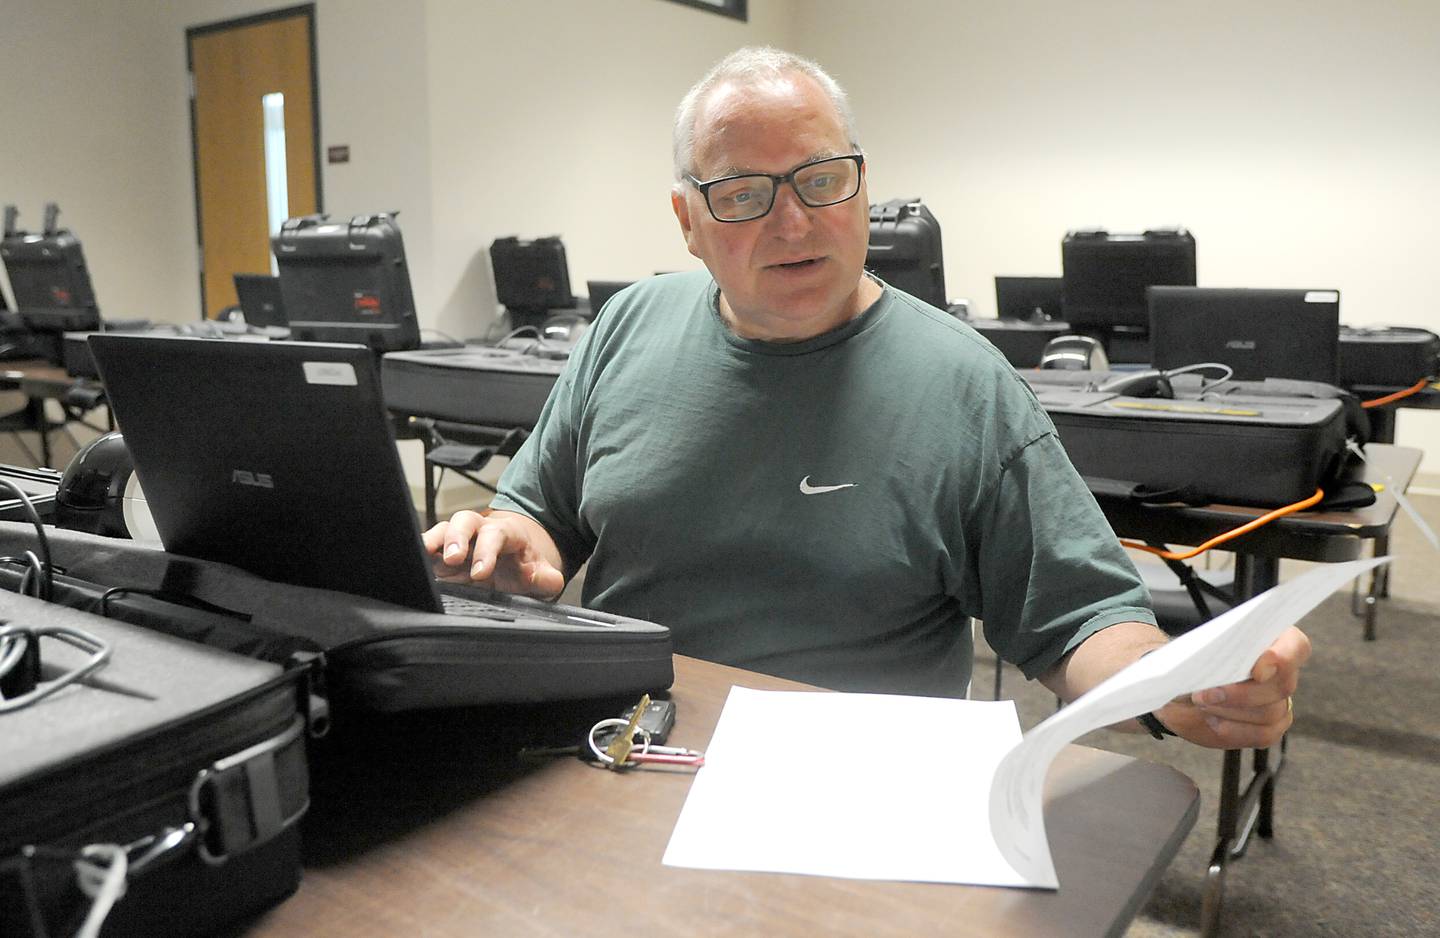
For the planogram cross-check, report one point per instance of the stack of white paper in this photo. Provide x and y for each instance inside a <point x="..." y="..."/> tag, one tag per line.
<point x="935" y="790"/>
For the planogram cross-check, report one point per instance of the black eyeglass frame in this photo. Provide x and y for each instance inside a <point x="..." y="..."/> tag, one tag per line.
<point x="704" y="187"/>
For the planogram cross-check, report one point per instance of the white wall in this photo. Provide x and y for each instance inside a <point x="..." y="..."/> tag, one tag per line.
<point x="1298" y="141"/>
<point x="85" y="111"/>
<point x="553" y="117"/>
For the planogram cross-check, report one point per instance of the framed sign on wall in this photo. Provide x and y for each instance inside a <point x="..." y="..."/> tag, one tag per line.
<point x="734" y="8"/>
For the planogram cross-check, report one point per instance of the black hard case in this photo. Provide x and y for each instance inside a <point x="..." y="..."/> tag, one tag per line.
<point x="1101" y="269"/>
<point x="50" y="280"/>
<point x="1256" y="450"/>
<point x="347" y="281"/>
<point x="481" y="385"/>
<point x="1393" y="356"/>
<point x="903" y="233"/>
<point x="365" y="654"/>
<point x="166" y="734"/>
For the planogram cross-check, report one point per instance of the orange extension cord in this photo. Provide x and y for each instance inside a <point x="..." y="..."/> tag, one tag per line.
<point x="1416" y="388"/>
<point x="1218" y="539"/>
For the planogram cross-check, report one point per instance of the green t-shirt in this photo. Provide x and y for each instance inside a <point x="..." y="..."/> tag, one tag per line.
<point x="831" y="510"/>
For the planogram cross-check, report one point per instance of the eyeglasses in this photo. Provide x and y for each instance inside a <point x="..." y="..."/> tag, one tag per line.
<point x="749" y="196"/>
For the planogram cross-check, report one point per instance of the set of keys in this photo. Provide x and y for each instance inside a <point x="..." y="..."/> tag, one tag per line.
<point x="636" y="738"/>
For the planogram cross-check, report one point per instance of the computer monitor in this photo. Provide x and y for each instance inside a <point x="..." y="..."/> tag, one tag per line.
<point x="49" y="277"/>
<point x="1105" y="275"/>
<point x="346" y="282"/>
<point x="1257" y="333"/>
<point x="905" y="249"/>
<point x="531" y="278"/>
<point x="1031" y="299"/>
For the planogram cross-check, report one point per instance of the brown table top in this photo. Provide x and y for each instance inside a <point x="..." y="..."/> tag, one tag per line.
<point x="564" y="848"/>
<point x="1307" y="535"/>
<point x="14" y="374"/>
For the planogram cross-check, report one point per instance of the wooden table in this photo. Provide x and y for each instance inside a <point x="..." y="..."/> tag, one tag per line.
<point x="467" y="844"/>
<point x="1327" y="536"/>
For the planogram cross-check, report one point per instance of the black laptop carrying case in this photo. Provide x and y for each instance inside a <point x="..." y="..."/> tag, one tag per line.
<point x="189" y="758"/>
<point x="367" y="655"/>
<point x="1394" y="356"/>
<point x="1254" y="449"/>
<point x="476" y="384"/>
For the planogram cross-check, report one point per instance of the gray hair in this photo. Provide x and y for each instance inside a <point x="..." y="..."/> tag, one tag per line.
<point x="748" y="65"/>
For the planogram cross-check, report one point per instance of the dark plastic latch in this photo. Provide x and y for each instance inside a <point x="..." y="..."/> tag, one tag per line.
<point x="244" y="800"/>
<point x="314" y="697"/>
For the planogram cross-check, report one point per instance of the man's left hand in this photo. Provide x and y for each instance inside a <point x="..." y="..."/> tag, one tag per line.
<point x="1251" y="714"/>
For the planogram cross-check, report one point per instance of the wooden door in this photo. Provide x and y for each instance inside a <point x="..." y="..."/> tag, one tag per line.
<point x="233" y="66"/>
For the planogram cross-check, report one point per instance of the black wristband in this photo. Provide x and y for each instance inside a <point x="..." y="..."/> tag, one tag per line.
<point x="1152" y="723"/>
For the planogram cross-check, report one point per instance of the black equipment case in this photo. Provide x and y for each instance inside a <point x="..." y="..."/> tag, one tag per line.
<point x="1253" y="448"/>
<point x="190" y="759"/>
<point x="905" y="249"/>
<point x="1106" y="274"/>
<point x="1394" y="356"/>
<point x="347" y="281"/>
<point x="366" y="654"/>
<point x="477" y="384"/>
<point x="50" y="280"/>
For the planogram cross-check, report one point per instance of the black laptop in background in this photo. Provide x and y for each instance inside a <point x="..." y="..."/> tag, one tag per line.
<point x="1258" y="333"/>
<point x="1029" y="299"/>
<point x="260" y="301"/>
<point x="600" y="292"/>
<point x="278" y="458"/>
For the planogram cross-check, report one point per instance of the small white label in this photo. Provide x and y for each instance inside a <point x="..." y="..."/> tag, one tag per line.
<point x="339" y="374"/>
<point x="1322" y="296"/>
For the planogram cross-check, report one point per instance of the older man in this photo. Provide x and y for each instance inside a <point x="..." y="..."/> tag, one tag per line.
<point x="804" y="471"/>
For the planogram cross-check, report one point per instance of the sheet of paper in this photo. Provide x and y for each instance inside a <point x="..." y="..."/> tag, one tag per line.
<point x="934" y="790"/>
<point x="863" y="786"/>
<point x="1221" y="651"/>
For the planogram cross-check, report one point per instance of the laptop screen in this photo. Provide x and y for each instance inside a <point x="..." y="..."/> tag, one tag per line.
<point x="1032" y="299"/>
<point x="276" y="457"/>
<point x="1258" y="333"/>
<point x="259" y="296"/>
<point x="601" y="290"/>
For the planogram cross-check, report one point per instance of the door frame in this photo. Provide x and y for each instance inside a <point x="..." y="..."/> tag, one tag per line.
<point x="308" y="11"/>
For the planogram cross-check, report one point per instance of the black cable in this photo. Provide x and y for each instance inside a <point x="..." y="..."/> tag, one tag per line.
<point x="34" y="571"/>
<point x="102" y="605"/>
<point x="47" y="582"/>
<point x="1188" y="580"/>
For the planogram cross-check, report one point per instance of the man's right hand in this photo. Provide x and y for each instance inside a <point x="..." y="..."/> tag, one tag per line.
<point x="506" y="550"/>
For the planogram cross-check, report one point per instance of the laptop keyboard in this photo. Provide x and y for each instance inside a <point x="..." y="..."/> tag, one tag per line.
<point x="548" y="615"/>
<point x="462" y="606"/>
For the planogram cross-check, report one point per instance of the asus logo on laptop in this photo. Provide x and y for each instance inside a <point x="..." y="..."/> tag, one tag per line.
<point x="1247" y="345"/>
<point x="259" y="480"/>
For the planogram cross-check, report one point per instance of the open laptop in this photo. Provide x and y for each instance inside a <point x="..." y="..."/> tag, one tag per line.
<point x="1258" y="333"/>
<point x="601" y="290"/>
<point x="260" y="301"/>
<point x="1031" y="299"/>
<point x="278" y="457"/>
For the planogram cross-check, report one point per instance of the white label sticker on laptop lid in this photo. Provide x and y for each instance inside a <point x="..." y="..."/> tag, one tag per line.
<point x="1322" y="296"/>
<point x="341" y="374"/>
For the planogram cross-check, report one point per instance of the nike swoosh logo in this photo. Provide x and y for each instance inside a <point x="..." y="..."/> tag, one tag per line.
<point x="807" y="489"/>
